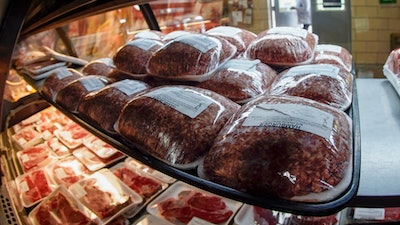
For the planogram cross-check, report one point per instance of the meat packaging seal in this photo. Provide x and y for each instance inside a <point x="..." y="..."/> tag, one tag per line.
<point x="333" y="54"/>
<point x="100" y="66"/>
<point x="102" y="108"/>
<point x="292" y="142"/>
<point x="183" y="204"/>
<point x="105" y="195"/>
<point x="57" y="208"/>
<point x="325" y="83"/>
<point x="191" y="57"/>
<point x="176" y="123"/>
<point x="391" y="69"/>
<point x="283" y="46"/>
<point x="240" y="79"/>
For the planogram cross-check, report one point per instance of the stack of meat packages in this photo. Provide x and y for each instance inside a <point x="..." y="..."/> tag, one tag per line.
<point x="229" y="103"/>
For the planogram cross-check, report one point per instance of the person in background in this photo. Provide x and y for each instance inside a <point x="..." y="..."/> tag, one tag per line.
<point x="303" y="8"/>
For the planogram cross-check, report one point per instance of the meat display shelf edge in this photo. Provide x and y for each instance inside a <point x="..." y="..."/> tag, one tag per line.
<point x="190" y="176"/>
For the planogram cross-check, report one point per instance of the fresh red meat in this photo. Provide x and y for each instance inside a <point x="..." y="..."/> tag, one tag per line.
<point x="32" y="194"/>
<point x="41" y="182"/>
<point x="144" y="186"/>
<point x="191" y="204"/>
<point x="263" y="216"/>
<point x="33" y="156"/>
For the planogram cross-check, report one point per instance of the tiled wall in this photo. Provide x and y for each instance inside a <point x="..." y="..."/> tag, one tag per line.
<point x="372" y="24"/>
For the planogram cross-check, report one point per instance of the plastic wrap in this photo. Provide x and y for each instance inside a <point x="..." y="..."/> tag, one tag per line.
<point x="71" y="135"/>
<point x="283" y="147"/>
<point x="176" y="124"/>
<point x="133" y="56"/>
<point x="102" y="67"/>
<point x="58" y="208"/>
<point x="391" y="69"/>
<point x="105" y="195"/>
<point x="241" y="38"/>
<point x="149" y="34"/>
<point x="94" y="162"/>
<point x="102" y="108"/>
<point x="283" y="46"/>
<point x="320" y="82"/>
<point x="35" y="157"/>
<point x="240" y="79"/>
<point x="57" y="80"/>
<point x="27" y="137"/>
<point x="67" y="171"/>
<point x="333" y="54"/>
<point x="71" y="94"/>
<point x="57" y="147"/>
<point x="99" y="147"/>
<point x="190" y="57"/>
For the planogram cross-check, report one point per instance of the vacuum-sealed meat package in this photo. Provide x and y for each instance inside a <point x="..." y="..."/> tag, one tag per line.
<point x="71" y="95"/>
<point x="190" y="57"/>
<point x="175" y="123"/>
<point x="240" y="79"/>
<point x="283" y="147"/>
<point x="133" y="56"/>
<point x="320" y="82"/>
<point x="333" y="54"/>
<point x="283" y="46"/>
<point x="241" y="38"/>
<point x="101" y="66"/>
<point x="102" y="108"/>
<point x="391" y="69"/>
<point x="58" y="80"/>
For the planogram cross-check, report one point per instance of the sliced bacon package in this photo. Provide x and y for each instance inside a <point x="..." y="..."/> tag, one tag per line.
<point x="105" y="195"/>
<point x="61" y="207"/>
<point x="34" y="186"/>
<point x="183" y="204"/>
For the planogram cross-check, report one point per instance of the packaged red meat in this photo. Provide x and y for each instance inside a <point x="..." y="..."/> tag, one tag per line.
<point x="391" y="69"/>
<point x="34" y="186"/>
<point x="283" y="46"/>
<point x="359" y="215"/>
<point x="249" y="214"/>
<point x="190" y="57"/>
<point x="149" y="34"/>
<point x="71" y="95"/>
<point x="28" y="122"/>
<point x="143" y="184"/>
<point x="174" y="34"/>
<point x="27" y="137"/>
<point x="52" y="114"/>
<point x="310" y="136"/>
<point x="99" y="147"/>
<point x="320" y="82"/>
<point x="105" y="195"/>
<point x="333" y="54"/>
<point x="61" y="207"/>
<point x="67" y="171"/>
<point x="134" y="55"/>
<point x="149" y="219"/>
<point x="57" y="147"/>
<point x="241" y="38"/>
<point x="31" y="57"/>
<point x="92" y="161"/>
<point x="71" y="135"/>
<point x="240" y="79"/>
<point x="35" y="157"/>
<point x="56" y="81"/>
<point x="46" y="129"/>
<point x="148" y="170"/>
<point x="102" y="108"/>
<point x="183" y="204"/>
<point x="176" y="124"/>
<point x="102" y="67"/>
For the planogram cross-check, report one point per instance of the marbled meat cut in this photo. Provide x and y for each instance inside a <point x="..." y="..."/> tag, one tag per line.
<point x="146" y="187"/>
<point x="191" y="204"/>
<point x="59" y="210"/>
<point x="300" y="147"/>
<point x="175" y="123"/>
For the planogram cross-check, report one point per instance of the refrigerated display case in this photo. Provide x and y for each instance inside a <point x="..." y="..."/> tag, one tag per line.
<point x="28" y="25"/>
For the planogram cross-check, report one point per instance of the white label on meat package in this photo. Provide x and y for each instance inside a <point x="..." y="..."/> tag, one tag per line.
<point x="129" y="87"/>
<point x="60" y="173"/>
<point x="185" y="101"/>
<point x="288" y="31"/>
<point x="144" y="44"/>
<point x="79" y="191"/>
<point x="225" y="31"/>
<point x="25" y="158"/>
<point x="328" y="48"/>
<point x="198" y="221"/>
<point x="92" y="84"/>
<point x="292" y="116"/>
<point x="242" y="65"/>
<point x="62" y="73"/>
<point x="202" y="42"/>
<point x="23" y="186"/>
<point x="369" y="213"/>
<point x="324" y="70"/>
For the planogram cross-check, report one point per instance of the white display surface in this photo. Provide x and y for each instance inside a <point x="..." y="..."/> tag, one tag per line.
<point x="379" y="109"/>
